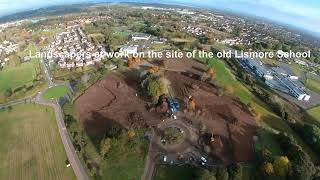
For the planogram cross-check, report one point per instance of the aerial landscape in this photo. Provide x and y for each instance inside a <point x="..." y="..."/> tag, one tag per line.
<point x="159" y="91"/>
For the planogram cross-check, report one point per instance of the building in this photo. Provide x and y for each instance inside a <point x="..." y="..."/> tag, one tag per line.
<point x="140" y="36"/>
<point x="278" y="78"/>
<point x="258" y="68"/>
<point x="129" y="50"/>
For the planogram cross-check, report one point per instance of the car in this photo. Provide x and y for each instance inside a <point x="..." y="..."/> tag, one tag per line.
<point x="203" y="159"/>
<point x="164" y="158"/>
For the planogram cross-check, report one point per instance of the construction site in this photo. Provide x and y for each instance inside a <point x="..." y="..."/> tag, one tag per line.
<point x="219" y="126"/>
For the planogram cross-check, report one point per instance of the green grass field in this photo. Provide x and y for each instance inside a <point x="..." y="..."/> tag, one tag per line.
<point x="315" y="112"/>
<point x="16" y="76"/>
<point x="181" y="40"/>
<point x="313" y="83"/>
<point x="13" y="77"/>
<point x="55" y="92"/>
<point x="31" y="147"/>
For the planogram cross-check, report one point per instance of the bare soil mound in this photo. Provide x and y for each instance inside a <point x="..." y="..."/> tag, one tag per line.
<point x="226" y="117"/>
<point x="112" y="101"/>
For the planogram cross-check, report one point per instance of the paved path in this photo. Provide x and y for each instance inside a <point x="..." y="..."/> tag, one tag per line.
<point x="75" y="162"/>
<point x="73" y="158"/>
<point x="150" y="160"/>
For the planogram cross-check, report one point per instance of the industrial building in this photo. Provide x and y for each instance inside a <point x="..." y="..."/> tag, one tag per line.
<point x="277" y="78"/>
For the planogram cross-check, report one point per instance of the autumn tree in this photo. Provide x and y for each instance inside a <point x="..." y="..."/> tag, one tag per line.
<point x="131" y="133"/>
<point x="228" y="90"/>
<point x="154" y="69"/>
<point x="155" y="85"/>
<point x="267" y="168"/>
<point x="191" y="104"/>
<point x="211" y="72"/>
<point x="281" y="165"/>
<point x="133" y="61"/>
<point x="105" y="146"/>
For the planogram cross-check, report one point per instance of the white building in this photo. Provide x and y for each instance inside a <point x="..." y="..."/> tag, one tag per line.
<point x="129" y="50"/>
<point x="140" y="36"/>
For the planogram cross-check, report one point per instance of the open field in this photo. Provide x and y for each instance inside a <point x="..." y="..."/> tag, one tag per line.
<point x="181" y="40"/>
<point x="17" y="75"/>
<point x="315" y="112"/>
<point x="313" y="83"/>
<point x="55" y="92"/>
<point x="13" y="77"/>
<point x="31" y="147"/>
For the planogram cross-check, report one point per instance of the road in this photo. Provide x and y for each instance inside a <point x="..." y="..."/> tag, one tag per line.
<point x="156" y="148"/>
<point x="150" y="160"/>
<point x="73" y="158"/>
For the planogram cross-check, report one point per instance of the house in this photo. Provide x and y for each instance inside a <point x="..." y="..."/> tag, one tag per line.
<point x="300" y="62"/>
<point x="62" y="64"/>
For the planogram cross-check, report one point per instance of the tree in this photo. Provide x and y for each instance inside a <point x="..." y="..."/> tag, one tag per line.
<point x="211" y="72"/>
<point x="228" y="90"/>
<point x="105" y="146"/>
<point x="205" y="174"/>
<point x="153" y="69"/>
<point x="281" y="165"/>
<point x="8" y="92"/>
<point x="192" y="104"/>
<point x="222" y="173"/>
<point x="265" y="156"/>
<point x="234" y="172"/>
<point x="267" y="168"/>
<point x="220" y="91"/>
<point x="114" y="131"/>
<point x="301" y="167"/>
<point x="154" y="86"/>
<point x="131" y="133"/>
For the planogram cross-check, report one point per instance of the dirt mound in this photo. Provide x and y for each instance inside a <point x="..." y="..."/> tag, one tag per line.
<point x="223" y="116"/>
<point x="112" y="100"/>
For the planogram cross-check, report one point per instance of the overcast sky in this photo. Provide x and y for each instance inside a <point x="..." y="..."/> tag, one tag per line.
<point x="301" y="13"/>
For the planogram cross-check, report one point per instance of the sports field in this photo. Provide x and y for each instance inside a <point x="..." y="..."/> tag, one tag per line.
<point x="31" y="147"/>
<point x="55" y="92"/>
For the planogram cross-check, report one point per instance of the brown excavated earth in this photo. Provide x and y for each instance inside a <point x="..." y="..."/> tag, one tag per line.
<point x="225" y="117"/>
<point x="113" y="101"/>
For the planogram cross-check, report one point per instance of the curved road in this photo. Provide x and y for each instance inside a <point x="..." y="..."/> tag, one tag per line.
<point x="73" y="158"/>
<point x="156" y="148"/>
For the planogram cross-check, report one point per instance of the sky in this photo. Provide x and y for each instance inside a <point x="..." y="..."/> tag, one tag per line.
<point x="304" y="14"/>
